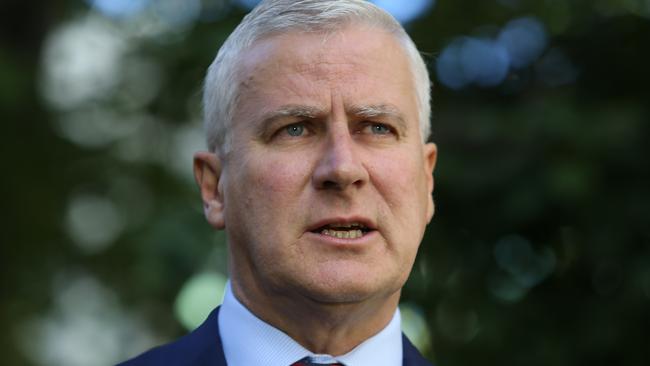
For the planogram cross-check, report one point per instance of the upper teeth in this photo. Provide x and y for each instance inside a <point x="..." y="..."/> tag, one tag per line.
<point x="344" y="226"/>
<point x="343" y="234"/>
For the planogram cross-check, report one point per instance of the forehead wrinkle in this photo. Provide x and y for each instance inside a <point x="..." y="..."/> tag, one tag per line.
<point x="256" y="84"/>
<point x="326" y="70"/>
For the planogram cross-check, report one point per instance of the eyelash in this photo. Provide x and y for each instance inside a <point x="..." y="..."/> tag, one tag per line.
<point x="371" y="128"/>
<point x="283" y="132"/>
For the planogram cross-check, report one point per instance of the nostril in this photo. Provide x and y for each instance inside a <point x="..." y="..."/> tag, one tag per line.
<point x="330" y="184"/>
<point x="332" y="173"/>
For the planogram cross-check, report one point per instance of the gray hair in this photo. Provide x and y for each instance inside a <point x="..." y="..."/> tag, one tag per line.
<point x="271" y="17"/>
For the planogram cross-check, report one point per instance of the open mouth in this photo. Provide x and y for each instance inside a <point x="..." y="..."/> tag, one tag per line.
<point x="343" y="231"/>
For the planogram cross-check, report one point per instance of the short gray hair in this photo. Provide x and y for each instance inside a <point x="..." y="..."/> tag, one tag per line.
<point x="220" y="90"/>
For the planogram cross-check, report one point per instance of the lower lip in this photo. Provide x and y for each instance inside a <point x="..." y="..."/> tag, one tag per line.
<point x="330" y="240"/>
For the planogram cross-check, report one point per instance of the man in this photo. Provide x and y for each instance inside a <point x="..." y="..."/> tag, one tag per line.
<point x="317" y="113"/>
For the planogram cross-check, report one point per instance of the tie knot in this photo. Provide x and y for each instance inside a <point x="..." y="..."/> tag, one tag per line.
<point x="317" y="361"/>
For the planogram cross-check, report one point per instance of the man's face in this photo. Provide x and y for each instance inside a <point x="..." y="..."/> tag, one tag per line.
<point x="326" y="190"/>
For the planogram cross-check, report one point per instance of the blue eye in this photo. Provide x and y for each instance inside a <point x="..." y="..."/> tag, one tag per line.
<point x="380" y="129"/>
<point x="295" y="130"/>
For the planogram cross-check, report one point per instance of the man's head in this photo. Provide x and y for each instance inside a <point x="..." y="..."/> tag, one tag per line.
<point x="221" y="89"/>
<point x="324" y="184"/>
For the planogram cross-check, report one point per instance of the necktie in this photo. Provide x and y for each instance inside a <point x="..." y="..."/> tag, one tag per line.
<point x="307" y="361"/>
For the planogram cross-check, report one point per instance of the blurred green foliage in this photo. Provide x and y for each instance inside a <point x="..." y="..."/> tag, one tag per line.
<point x="538" y="253"/>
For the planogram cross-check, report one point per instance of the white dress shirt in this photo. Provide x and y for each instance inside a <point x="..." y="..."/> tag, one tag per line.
<point x="248" y="340"/>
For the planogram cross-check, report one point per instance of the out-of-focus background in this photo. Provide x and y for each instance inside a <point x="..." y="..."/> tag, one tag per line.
<point x="538" y="254"/>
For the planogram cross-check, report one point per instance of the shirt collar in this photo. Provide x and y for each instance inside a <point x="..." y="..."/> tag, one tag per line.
<point x="248" y="340"/>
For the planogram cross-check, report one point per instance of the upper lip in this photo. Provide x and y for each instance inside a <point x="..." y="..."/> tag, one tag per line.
<point x="367" y="223"/>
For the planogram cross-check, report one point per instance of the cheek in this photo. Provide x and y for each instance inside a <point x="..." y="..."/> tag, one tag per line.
<point x="275" y="179"/>
<point x="398" y="177"/>
<point x="401" y="184"/>
<point x="269" y="187"/>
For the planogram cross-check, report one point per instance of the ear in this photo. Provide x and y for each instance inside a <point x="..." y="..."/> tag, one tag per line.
<point x="207" y="172"/>
<point x="430" y="158"/>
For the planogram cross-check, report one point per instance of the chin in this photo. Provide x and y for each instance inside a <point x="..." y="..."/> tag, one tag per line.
<point x="359" y="289"/>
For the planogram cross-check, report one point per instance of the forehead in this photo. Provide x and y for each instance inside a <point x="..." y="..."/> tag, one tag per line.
<point x="294" y="48"/>
<point x="360" y="61"/>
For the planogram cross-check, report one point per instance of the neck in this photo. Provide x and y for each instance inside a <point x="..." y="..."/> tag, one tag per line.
<point x="324" y="328"/>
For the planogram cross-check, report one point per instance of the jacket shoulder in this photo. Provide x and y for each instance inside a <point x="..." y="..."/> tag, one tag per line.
<point x="201" y="347"/>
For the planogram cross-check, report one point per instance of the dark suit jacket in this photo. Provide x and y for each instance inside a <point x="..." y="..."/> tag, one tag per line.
<point x="202" y="347"/>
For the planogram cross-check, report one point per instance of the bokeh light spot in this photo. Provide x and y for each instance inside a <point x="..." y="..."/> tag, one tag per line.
<point x="118" y="8"/>
<point x="469" y="60"/>
<point x="506" y="289"/>
<point x="524" y="39"/>
<point x="81" y="62"/>
<point x="405" y="11"/>
<point x="87" y="326"/>
<point x="95" y="127"/>
<point x="515" y="255"/>
<point x="93" y="222"/>
<point x="247" y="4"/>
<point x="186" y="140"/>
<point x="178" y="12"/>
<point x="455" y="322"/>
<point x="449" y="69"/>
<point x="198" y="296"/>
<point x="485" y="62"/>
<point x="141" y="82"/>
<point x="414" y="325"/>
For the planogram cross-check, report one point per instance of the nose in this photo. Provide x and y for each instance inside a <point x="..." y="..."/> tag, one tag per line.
<point x="340" y="166"/>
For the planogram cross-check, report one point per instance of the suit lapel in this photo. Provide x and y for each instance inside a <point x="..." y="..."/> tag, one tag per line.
<point x="208" y="339"/>
<point x="410" y="355"/>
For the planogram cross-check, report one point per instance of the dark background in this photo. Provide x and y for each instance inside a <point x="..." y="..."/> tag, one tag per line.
<point x="538" y="253"/>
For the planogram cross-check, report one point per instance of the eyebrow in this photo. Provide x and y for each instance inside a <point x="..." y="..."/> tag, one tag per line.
<point x="287" y="111"/>
<point x="380" y="110"/>
<point x="297" y="111"/>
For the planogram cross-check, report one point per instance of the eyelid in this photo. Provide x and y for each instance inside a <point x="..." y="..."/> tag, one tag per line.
<point x="370" y="124"/>
<point x="282" y="129"/>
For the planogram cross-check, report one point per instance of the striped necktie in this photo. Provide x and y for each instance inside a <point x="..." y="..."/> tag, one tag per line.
<point x="307" y="361"/>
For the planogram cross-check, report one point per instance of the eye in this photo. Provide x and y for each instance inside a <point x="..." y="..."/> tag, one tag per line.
<point x="295" y="130"/>
<point x="379" y="129"/>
